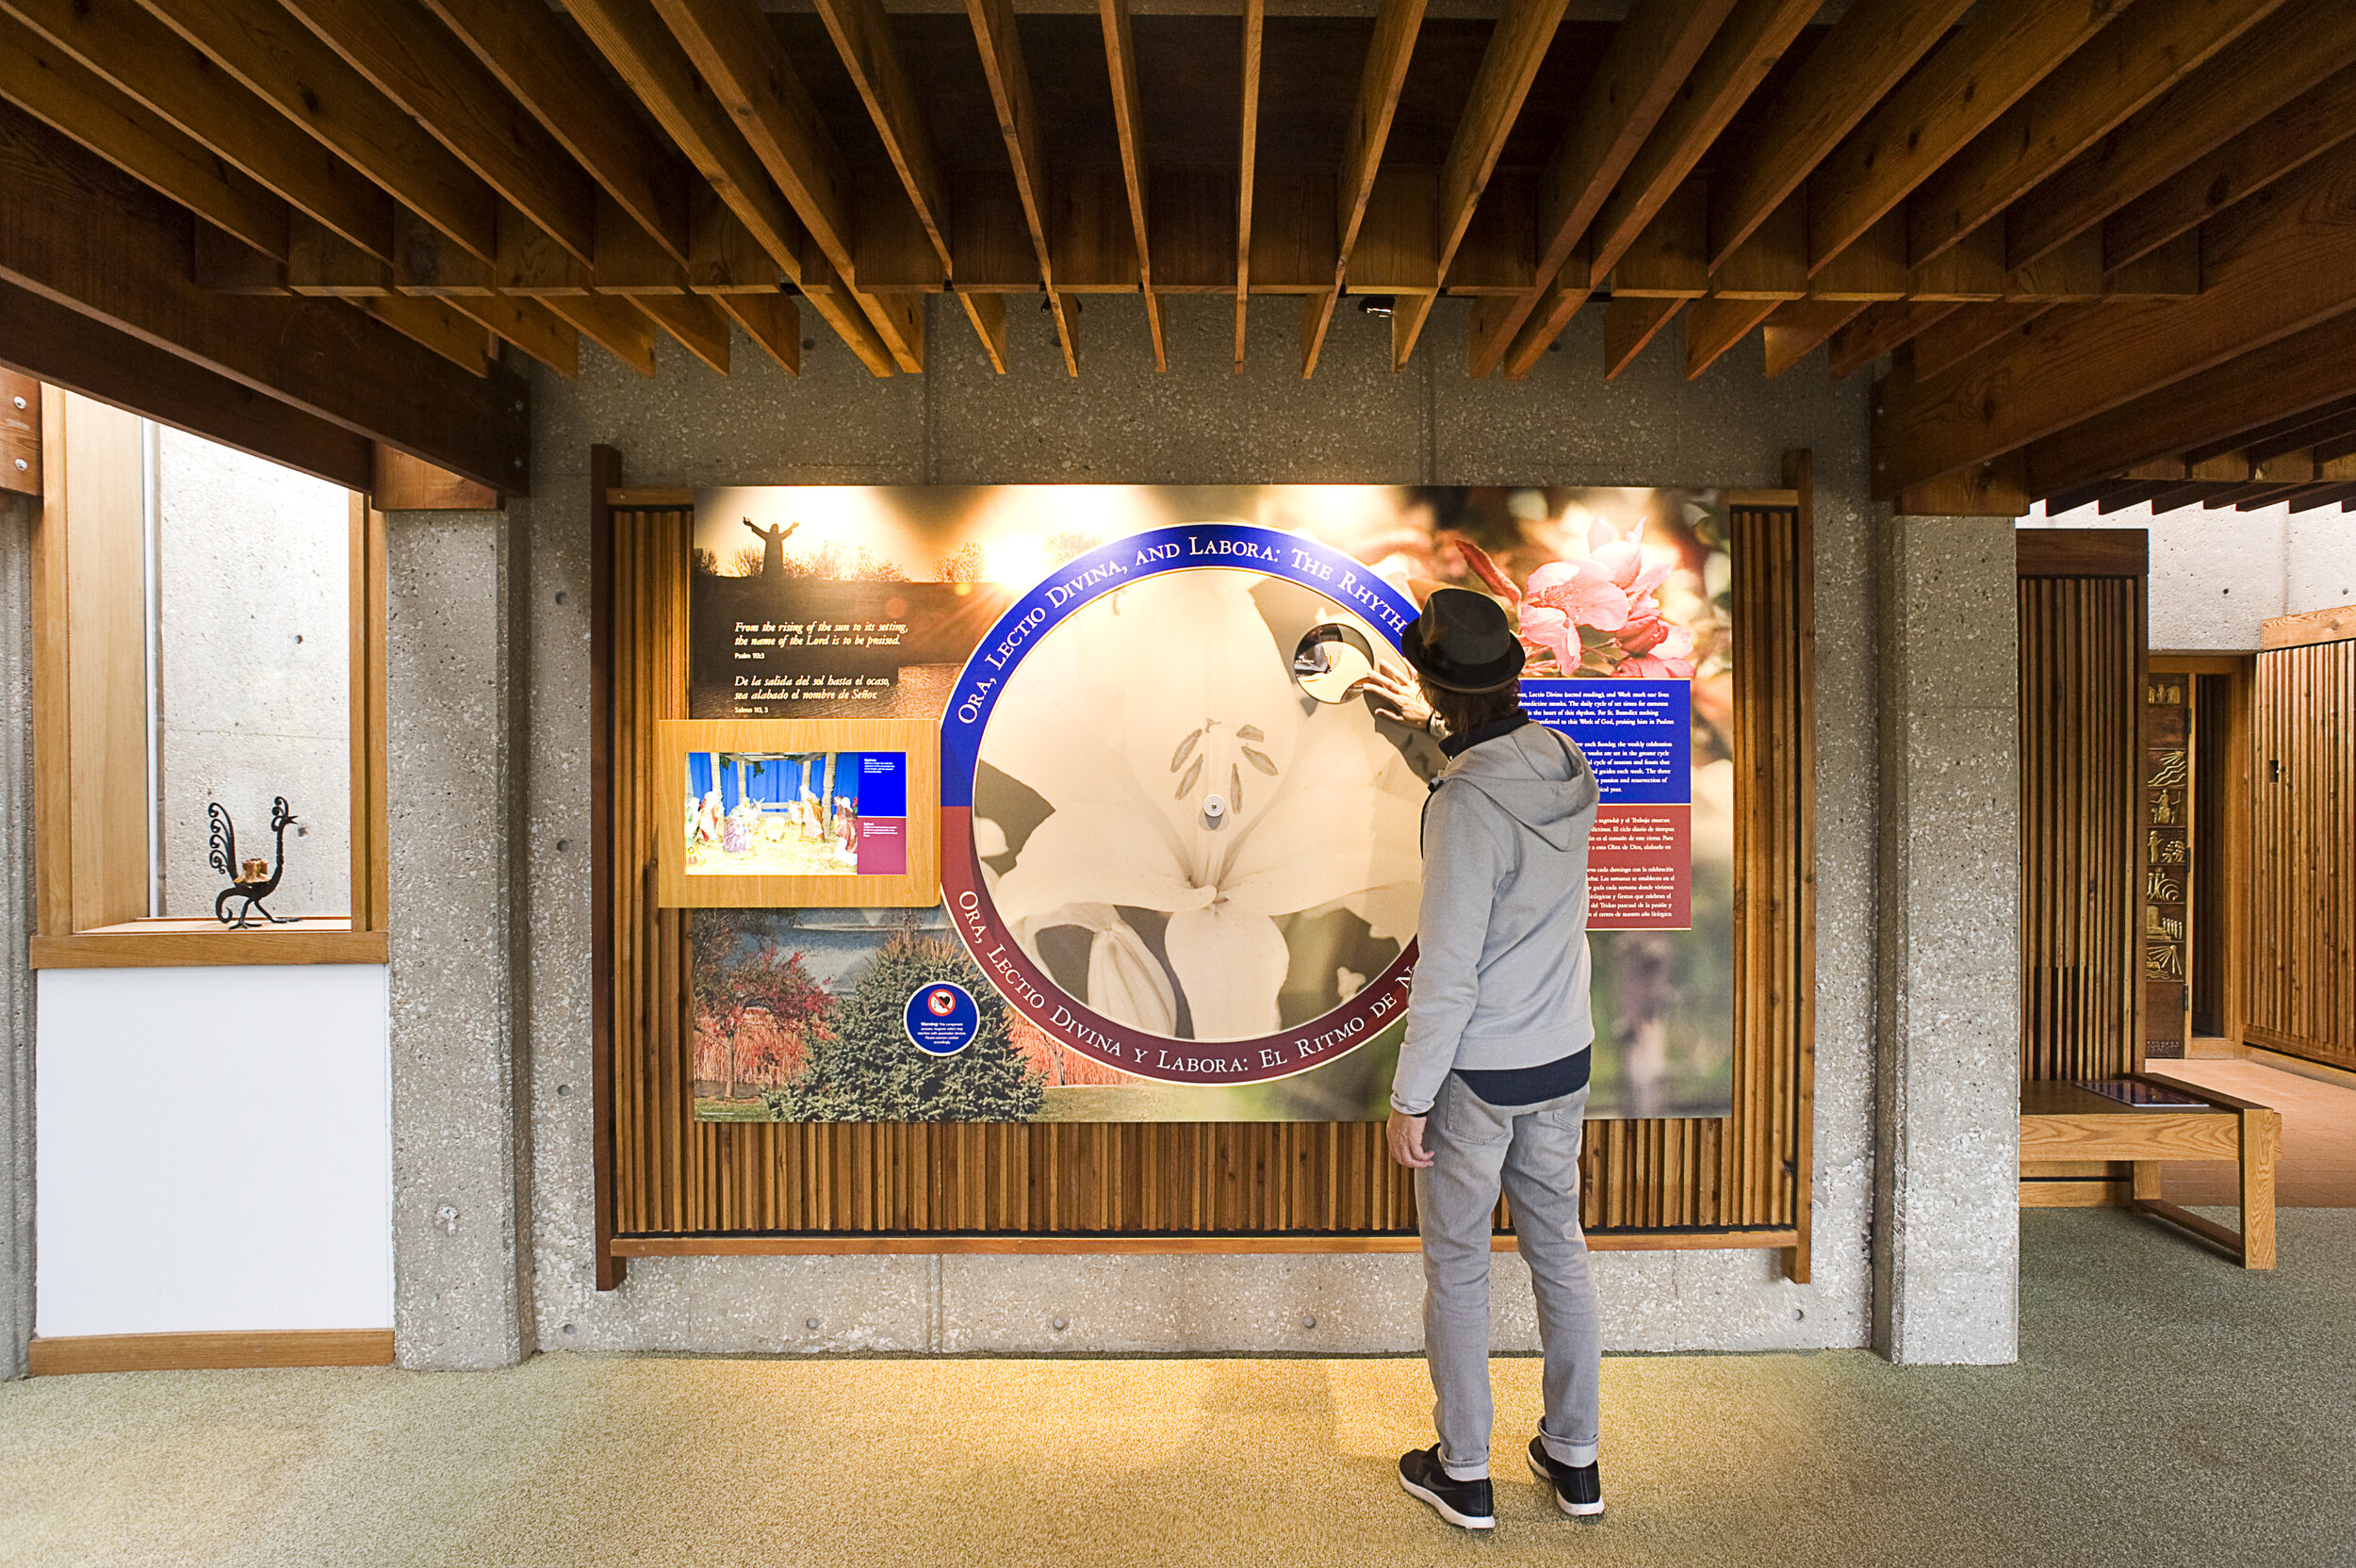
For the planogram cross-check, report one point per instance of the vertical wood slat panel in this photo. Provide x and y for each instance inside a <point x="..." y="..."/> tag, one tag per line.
<point x="674" y="1176"/>
<point x="2302" y="871"/>
<point x="2082" y="825"/>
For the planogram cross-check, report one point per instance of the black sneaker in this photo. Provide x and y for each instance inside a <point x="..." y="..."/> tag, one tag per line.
<point x="1577" y="1489"/>
<point x="1470" y="1504"/>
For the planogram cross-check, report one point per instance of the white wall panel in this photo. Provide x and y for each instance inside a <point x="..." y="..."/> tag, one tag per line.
<point x="213" y="1150"/>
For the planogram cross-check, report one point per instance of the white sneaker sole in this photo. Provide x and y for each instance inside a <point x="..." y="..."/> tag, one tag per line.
<point x="1577" y="1510"/>
<point x="1463" y="1520"/>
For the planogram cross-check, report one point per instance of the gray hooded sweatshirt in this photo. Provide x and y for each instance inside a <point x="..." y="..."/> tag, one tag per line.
<point x="1501" y="981"/>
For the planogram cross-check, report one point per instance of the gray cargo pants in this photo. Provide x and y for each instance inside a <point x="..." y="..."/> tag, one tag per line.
<point x="1533" y="1150"/>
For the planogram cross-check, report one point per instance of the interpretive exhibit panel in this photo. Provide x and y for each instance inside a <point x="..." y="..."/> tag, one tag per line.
<point x="785" y="812"/>
<point x="1180" y="840"/>
<point x="970" y="1148"/>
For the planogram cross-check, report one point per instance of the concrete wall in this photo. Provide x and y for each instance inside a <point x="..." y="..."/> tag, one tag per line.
<point x="254" y="637"/>
<point x="1948" y="1236"/>
<point x="2215" y="576"/>
<point x="215" y="1149"/>
<point x="16" y="924"/>
<point x="459" y="1290"/>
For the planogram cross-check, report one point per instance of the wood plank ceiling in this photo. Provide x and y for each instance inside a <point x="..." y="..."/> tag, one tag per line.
<point x="2108" y="246"/>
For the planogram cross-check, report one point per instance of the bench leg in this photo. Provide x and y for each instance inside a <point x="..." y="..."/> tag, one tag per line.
<point x="2147" y="1182"/>
<point x="2261" y="1140"/>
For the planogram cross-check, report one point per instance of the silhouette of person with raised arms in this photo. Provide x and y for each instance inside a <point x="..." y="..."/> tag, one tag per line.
<point x="772" y="546"/>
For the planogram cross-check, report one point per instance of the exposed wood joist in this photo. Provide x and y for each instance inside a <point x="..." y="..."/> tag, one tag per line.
<point x="635" y="42"/>
<point x="1395" y="25"/>
<point x="1969" y="329"/>
<point x="415" y="62"/>
<point x="1507" y="67"/>
<point x="1120" y="60"/>
<point x="863" y="37"/>
<point x="1799" y="327"/>
<point x="732" y="45"/>
<point x="614" y="322"/>
<point x="50" y="83"/>
<point x="1714" y="326"/>
<point x="541" y="61"/>
<point x="1631" y="323"/>
<point x="2312" y="124"/>
<point x="2285" y="380"/>
<point x="1650" y="55"/>
<point x="1001" y="46"/>
<point x="2283" y="55"/>
<point x="2153" y="47"/>
<point x="1866" y="53"/>
<point x="2279" y="262"/>
<point x="284" y="64"/>
<point x="156" y="67"/>
<point x="434" y="325"/>
<point x="2004" y="49"/>
<point x="1254" y="37"/>
<point x="1745" y="49"/>
<point x="1884" y="329"/>
<point x="80" y="233"/>
<point x="67" y="348"/>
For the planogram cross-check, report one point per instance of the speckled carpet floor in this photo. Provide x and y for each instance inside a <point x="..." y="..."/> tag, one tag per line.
<point x="2168" y="1409"/>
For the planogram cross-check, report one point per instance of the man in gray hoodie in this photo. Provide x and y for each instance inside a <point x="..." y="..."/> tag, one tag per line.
<point x="1492" y="1084"/>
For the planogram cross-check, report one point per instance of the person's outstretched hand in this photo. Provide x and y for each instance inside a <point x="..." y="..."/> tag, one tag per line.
<point x="1405" y="1135"/>
<point x="1399" y="695"/>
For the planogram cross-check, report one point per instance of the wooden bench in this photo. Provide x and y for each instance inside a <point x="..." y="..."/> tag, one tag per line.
<point x="2074" y="1142"/>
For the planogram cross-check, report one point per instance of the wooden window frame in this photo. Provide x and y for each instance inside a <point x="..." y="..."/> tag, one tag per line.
<point x="89" y="640"/>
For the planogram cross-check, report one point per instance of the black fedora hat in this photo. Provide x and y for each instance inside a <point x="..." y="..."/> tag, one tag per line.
<point x="1463" y="642"/>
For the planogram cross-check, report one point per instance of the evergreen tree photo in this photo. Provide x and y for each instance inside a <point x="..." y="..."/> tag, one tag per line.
<point x="865" y="1068"/>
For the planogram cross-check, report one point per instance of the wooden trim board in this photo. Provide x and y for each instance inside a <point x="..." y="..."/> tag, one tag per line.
<point x="209" y="1352"/>
<point x="2316" y="625"/>
<point x="175" y="944"/>
<point x="854" y="1245"/>
<point x="2082" y="551"/>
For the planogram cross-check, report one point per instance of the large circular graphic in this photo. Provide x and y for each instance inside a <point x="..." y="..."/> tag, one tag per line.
<point x="1158" y="845"/>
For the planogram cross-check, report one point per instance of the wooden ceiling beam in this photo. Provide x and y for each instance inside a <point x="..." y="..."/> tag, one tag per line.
<point x="157" y="68"/>
<point x="407" y="55"/>
<point x="634" y="41"/>
<point x="1860" y="59"/>
<point x="2285" y="54"/>
<point x="50" y="83"/>
<point x="435" y="323"/>
<point x="2312" y="124"/>
<point x="2258" y="436"/>
<point x="2004" y="49"/>
<point x="1395" y="25"/>
<point x="60" y="345"/>
<point x="2323" y="496"/>
<point x="543" y="63"/>
<point x="742" y="62"/>
<point x="1001" y="45"/>
<point x="2272" y="267"/>
<point x="614" y="322"/>
<point x="80" y="232"/>
<point x="284" y="63"/>
<point x="1746" y="47"/>
<point x="2156" y="45"/>
<point x="1650" y="56"/>
<point x="1955" y="337"/>
<point x="695" y="322"/>
<point x="863" y="37"/>
<point x="1883" y="330"/>
<point x="1121" y="62"/>
<point x="527" y="323"/>
<point x="772" y="320"/>
<point x="1507" y="67"/>
<point x="1254" y="34"/>
<point x="1714" y="326"/>
<point x="1799" y="327"/>
<point x="1631" y="323"/>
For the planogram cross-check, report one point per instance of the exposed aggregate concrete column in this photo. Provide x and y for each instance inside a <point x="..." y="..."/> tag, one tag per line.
<point x="461" y="1241"/>
<point x="1947" y="1220"/>
<point x="16" y="923"/>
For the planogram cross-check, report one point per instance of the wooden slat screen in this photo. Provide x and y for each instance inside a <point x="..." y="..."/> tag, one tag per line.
<point x="2302" y="861"/>
<point x="2081" y="686"/>
<point x="842" y="1185"/>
